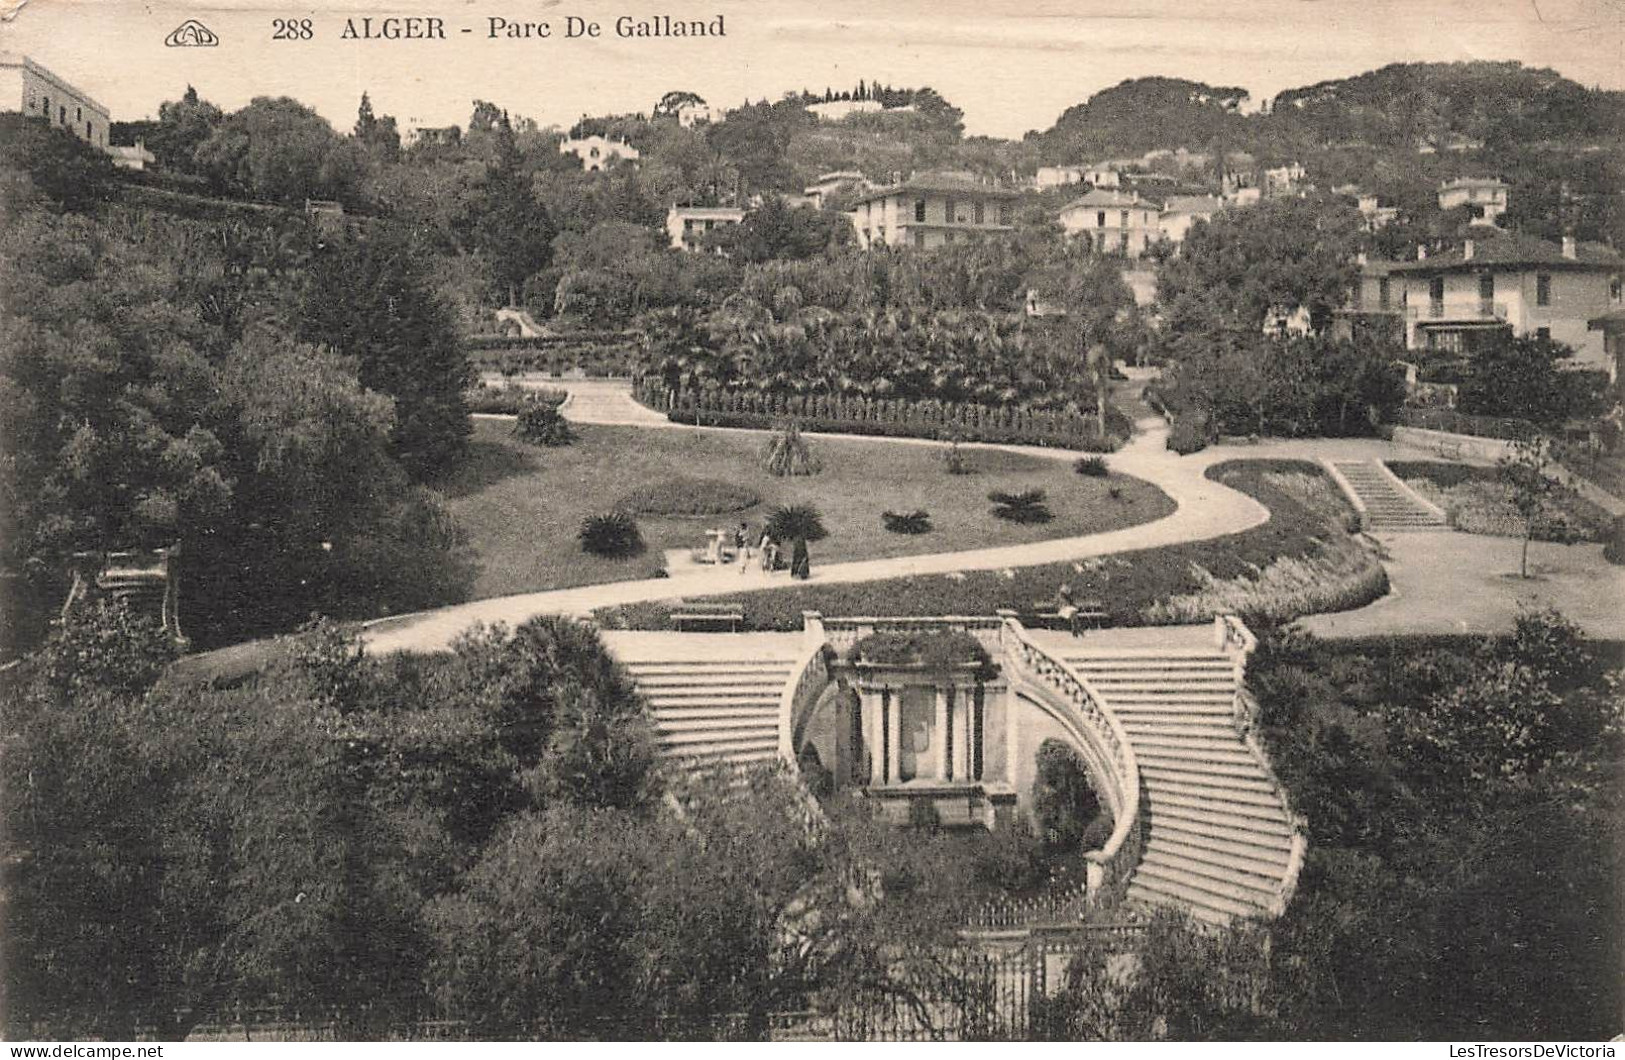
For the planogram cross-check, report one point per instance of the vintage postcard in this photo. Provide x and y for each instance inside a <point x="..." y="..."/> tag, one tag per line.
<point x="760" y="521"/>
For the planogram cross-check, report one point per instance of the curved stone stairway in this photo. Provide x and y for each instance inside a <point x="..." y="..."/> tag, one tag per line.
<point x="714" y="697"/>
<point x="1220" y="836"/>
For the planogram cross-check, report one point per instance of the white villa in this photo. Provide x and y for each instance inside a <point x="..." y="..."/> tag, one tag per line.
<point x="596" y="152"/>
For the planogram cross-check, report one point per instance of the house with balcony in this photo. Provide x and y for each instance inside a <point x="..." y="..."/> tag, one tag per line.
<point x="932" y="210"/>
<point x="1484" y="197"/>
<point x="1511" y="283"/>
<point x="1114" y="222"/>
<point x="1375" y="306"/>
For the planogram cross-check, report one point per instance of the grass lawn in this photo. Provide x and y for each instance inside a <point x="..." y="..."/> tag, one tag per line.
<point x="1304" y="545"/>
<point x="522" y="505"/>
<point x="1477" y="502"/>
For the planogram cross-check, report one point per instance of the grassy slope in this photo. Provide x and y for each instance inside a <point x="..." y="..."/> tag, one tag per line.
<point x="1482" y="505"/>
<point x="522" y="505"/>
<point x="1127" y="583"/>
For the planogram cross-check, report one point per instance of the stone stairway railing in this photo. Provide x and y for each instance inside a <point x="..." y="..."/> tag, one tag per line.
<point x="808" y="680"/>
<point x="1105" y="746"/>
<point x="1247" y="713"/>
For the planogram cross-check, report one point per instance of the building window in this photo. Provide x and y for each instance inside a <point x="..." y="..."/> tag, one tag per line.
<point x="1382" y="292"/>
<point x="1004" y="213"/>
<point x="980" y="209"/>
<point x="919" y="210"/>
<point x="948" y="212"/>
<point x="919" y="238"/>
<point x="1100" y="218"/>
<point x="1543" y="334"/>
<point x="62" y="115"/>
<point x="45" y="107"/>
<point x="1615" y="289"/>
<point x="78" y="114"/>
<point x="1122" y="218"/>
<point x="1543" y="289"/>
<point x="1436" y="290"/>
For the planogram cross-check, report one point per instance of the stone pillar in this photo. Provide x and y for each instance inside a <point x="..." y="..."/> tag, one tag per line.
<point x="894" y="734"/>
<point x="940" y="735"/>
<point x="873" y="709"/>
<point x="964" y="732"/>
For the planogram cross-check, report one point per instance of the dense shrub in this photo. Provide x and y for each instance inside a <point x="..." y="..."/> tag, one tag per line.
<point x="1012" y="859"/>
<point x="787" y="454"/>
<point x="889" y="418"/>
<point x="541" y="424"/>
<point x="930" y="648"/>
<point x="1026" y="507"/>
<point x="688" y="496"/>
<point x="1186" y="437"/>
<point x="511" y="399"/>
<point x="1064" y="802"/>
<point x="915" y="522"/>
<point x="1613" y="549"/>
<point x="1092" y="466"/>
<point x="796" y="522"/>
<point x="613" y="535"/>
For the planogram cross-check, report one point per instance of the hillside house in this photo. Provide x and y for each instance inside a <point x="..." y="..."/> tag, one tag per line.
<point x="840" y="182"/>
<point x="1179" y="212"/>
<point x="1484" y="197"/>
<point x="1115" y="222"/>
<point x="596" y="152"/>
<point x="932" y="210"/>
<point x="1513" y="283"/>
<point x="1058" y="176"/>
<point x="687" y="225"/>
<point x="31" y="89"/>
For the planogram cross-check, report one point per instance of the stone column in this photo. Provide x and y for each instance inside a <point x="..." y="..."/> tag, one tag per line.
<point x="940" y="735"/>
<point x="873" y="707"/>
<point x="963" y="732"/>
<point x="894" y="734"/>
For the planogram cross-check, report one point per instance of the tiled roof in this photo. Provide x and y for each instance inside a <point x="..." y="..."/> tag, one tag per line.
<point x="940" y="183"/>
<point x="1111" y="199"/>
<point x="1193" y="204"/>
<point x="1510" y="250"/>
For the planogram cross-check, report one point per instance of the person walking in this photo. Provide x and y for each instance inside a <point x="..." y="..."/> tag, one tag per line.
<point x="770" y="553"/>
<point x="800" y="564"/>
<point x="742" y="543"/>
<point x="1066" y="609"/>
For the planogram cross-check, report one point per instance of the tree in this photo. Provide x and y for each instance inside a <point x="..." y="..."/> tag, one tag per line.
<point x="511" y="228"/>
<point x="280" y="150"/>
<point x="672" y="103"/>
<point x="1235" y="268"/>
<point x="378" y="135"/>
<point x="369" y="299"/>
<point x="184" y="125"/>
<point x="1527" y="470"/>
<point x="1522" y="378"/>
<point x="59" y="165"/>
<point x="776" y="230"/>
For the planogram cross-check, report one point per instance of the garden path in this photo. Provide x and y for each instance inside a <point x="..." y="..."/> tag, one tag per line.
<point x="1205" y="509"/>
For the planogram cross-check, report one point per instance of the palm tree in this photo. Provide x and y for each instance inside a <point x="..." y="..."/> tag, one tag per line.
<point x="1098" y="362"/>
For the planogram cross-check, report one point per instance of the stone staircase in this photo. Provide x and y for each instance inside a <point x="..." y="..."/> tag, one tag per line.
<point x="1389" y="505"/>
<point x="710" y="703"/>
<point x="1219" y="840"/>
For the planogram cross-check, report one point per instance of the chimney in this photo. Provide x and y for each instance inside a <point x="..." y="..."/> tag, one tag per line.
<point x="1421" y="252"/>
<point x="1569" y="248"/>
<point x="1467" y="250"/>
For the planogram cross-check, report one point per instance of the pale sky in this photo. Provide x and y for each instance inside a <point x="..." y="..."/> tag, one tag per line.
<point x="1011" y="66"/>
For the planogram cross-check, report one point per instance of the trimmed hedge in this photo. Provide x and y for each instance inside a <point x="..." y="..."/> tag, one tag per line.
<point x="887" y="417"/>
<point x="682" y="496"/>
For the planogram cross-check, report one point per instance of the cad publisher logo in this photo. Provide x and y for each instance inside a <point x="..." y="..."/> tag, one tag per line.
<point x="191" y="34"/>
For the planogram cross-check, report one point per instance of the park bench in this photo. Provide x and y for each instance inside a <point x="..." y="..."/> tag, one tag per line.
<point x="707" y="616"/>
<point x="1091" y="615"/>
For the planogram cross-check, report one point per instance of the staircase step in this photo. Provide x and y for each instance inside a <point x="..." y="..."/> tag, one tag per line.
<point x="1225" y="745"/>
<point x="1152" y="759"/>
<point x="1222" y="781"/>
<point x="1215" y="909"/>
<point x="719" y="737"/>
<point x="761" y="712"/>
<point x="1238" y="817"/>
<point x="1215" y="794"/>
<point x="1213" y="892"/>
<point x="1220" y="869"/>
<point x="1205" y="727"/>
<point x="1272" y="859"/>
<point x="1245" y="838"/>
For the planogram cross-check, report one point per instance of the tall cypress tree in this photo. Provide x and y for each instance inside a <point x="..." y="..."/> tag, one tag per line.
<point x="370" y="298"/>
<point x="511" y="226"/>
